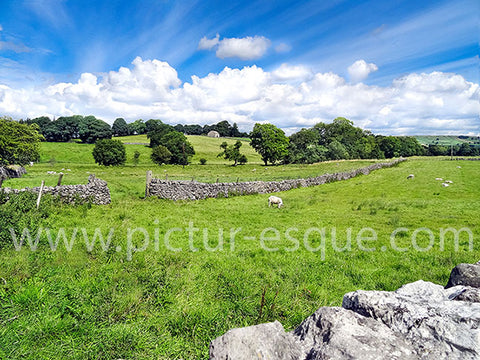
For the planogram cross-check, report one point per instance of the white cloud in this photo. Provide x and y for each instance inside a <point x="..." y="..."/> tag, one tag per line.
<point x="247" y="48"/>
<point x="360" y="70"/>
<point x="290" y="96"/>
<point x="288" y="72"/>
<point x="208" y="44"/>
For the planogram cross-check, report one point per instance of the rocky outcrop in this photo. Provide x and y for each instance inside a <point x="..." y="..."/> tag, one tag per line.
<point x="12" y="171"/>
<point x="420" y="320"/>
<point x="193" y="190"/>
<point x="95" y="191"/>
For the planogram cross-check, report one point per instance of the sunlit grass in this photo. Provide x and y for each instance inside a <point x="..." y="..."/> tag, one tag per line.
<point x="164" y="304"/>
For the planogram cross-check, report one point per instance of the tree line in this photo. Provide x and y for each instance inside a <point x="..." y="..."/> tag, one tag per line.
<point x="89" y="128"/>
<point x="337" y="140"/>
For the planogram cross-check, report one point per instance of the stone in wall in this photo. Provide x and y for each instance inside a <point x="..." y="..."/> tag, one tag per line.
<point x="12" y="171"/>
<point x="420" y="320"/>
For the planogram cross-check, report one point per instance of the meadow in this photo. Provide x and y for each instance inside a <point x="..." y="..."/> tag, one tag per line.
<point x="178" y="274"/>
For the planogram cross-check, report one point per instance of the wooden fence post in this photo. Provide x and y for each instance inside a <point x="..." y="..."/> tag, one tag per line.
<point x="40" y="194"/>
<point x="149" y="180"/>
<point x="1" y="181"/>
<point x="60" y="179"/>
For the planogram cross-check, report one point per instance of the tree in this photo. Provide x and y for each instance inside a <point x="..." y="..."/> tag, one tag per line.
<point x="19" y="143"/>
<point x="157" y="131"/>
<point x="42" y="122"/>
<point x="161" y="155"/>
<point x="304" y="147"/>
<point x="90" y="129"/>
<point x="337" y="151"/>
<point x="109" y="152"/>
<point x="232" y="152"/>
<point x="179" y="146"/>
<point x="270" y="142"/>
<point x="65" y="128"/>
<point x="137" y="127"/>
<point x="120" y="127"/>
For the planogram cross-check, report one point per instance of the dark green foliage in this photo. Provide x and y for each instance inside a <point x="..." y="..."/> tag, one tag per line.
<point x="232" y="152"/>
<point x="304" y="148"/>
<point x="136" y="157"/>
<point x="179" y="146"/>
<point x="203" y="161"/>
<point x="62" y="129"/>
<point x="137" y="127"/>
<point x="161" y="155"/>
<point x="42" y="122"/>
<point x="109" y="152"/>
<point x="270" y="142"/>
<point x="157" y="130"/>
<point x="19" y="143"/>
<point x="120" y="127"/>
<point x="91" y="129"/>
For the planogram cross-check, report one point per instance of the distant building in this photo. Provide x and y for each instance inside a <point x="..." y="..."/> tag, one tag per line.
<point x="213" y="134"/>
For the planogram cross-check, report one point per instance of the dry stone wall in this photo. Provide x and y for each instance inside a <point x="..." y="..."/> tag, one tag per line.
<point x="193" y="190"/>
<point x="95" y="191"/>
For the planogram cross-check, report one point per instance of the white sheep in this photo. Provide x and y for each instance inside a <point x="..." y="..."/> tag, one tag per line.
<point x="439" y="179"/>
<point x="445" y="185"/>
<point x="411" y="176"/>
<point x="448" y="181"/>
<point x="275" y="200"/>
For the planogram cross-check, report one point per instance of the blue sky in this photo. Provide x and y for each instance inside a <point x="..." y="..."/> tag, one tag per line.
<point x="273" y="52"/>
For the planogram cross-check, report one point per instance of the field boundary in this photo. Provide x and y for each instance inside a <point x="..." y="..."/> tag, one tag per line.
<point x="193" y="190"/>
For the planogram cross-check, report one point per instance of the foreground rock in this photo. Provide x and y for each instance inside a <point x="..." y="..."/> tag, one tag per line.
<point x="420" y="320"/>
<point x="465" y="274"/>
<point x="264" y="341"/>
<point x="427" y="316"/>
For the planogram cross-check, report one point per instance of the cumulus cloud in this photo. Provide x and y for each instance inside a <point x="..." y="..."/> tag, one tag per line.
<point x="208" y="44"/>
<point x="291" y="97"/>
<point x="360" y="70"/>
<point x="288" y="72"/>
<point x="247" y="48"/>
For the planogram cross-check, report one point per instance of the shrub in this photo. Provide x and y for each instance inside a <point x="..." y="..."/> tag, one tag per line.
<point x="203" y="161"/>
<point x="136" y="157"/>
<point x="19" y="212"/>
<point x="109" y="152"/>
<point x="161" y="155"/>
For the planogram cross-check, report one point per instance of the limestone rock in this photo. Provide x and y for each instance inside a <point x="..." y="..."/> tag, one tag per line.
<point x="465" y="274"/>
<point x="264" y="341"/>
<point x="425" y="314"/>
<point x="337" y="333"/>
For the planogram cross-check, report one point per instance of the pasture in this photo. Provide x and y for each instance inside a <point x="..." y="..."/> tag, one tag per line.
<point x="178" y="274"/>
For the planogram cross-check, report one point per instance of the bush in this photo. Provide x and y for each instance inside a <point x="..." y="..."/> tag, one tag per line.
<point x="161" y="155"/>
<point x="203" y="161"/>
<point x="19" y="212"/>
<point x="136" y="157"/>
<point x="109" y="152"/>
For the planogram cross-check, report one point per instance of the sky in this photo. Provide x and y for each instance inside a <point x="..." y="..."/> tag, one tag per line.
<point x="397" y="67"/>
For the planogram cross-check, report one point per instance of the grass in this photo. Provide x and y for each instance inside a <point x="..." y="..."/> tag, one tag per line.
<point x="165" y="304"/>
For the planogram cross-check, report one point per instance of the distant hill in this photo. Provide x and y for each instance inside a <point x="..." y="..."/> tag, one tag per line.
<point x="448" y="139"/>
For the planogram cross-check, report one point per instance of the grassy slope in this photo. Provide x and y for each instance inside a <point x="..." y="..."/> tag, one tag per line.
<point x="166" y="304"/>
<point x="446" y="140"/>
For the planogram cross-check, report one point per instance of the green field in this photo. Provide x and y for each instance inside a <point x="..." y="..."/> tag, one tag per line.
<point x="157" y="303"/>
<point x="447" y="140"/>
